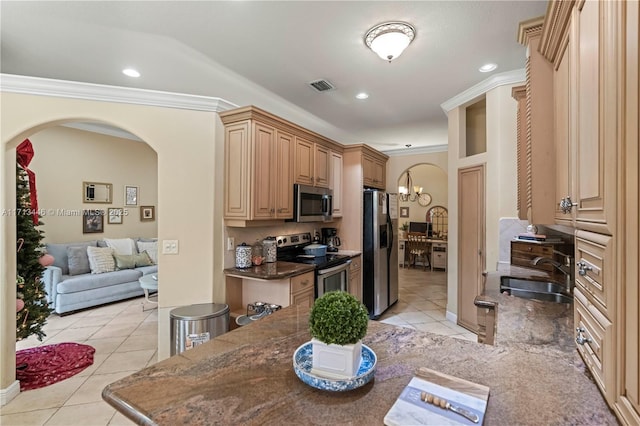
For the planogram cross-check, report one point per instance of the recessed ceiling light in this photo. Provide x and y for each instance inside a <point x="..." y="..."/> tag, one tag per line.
<point x="130" y="72"/>
<point x="362" y="95"/>
<point x="487" y="67"/>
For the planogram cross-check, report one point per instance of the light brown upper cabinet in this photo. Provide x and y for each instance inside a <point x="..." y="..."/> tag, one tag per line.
<point x="538" y="168"/>
<point x="312" y="163"/>
<point x="258" y="172"/>
<point x="374" y="170"/>
<point x="263" y="154"/>
<point x="564" y="144"/>
<point x="336" y="182"/>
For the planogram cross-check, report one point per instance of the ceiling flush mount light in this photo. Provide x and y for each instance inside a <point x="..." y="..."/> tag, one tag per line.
<point x="130" y="72"/>
<point x="362" y="95"/>
<point x="487" y="67"/>
<point x="389" y="39"/>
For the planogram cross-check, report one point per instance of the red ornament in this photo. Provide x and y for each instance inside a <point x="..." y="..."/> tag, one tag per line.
<point x="46" y="260"/>
<point x="19" y="305"/>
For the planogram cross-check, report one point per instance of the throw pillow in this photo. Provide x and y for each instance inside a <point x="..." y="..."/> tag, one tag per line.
<point x="142" y="259"/>
<point x="78" y="260"/>
<point x="150" y="248"/>
<point x="101" y="259"/>
<point x="124" y="261"/>
<point x="121" y="245"/>
<point x="59" y="253"/>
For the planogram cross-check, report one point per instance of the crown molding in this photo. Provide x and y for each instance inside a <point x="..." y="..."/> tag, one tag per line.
<point x="502" y="79"/>
<point x="418" y="150"/>
<point x="98" y="92"/>
<point x="530" y="28"/>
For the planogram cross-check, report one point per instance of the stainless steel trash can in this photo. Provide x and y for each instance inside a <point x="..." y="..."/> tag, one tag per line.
<point x="195" y="324"/>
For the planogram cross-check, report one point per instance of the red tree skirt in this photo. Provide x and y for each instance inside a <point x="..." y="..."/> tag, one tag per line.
<point x="50" y="364"/>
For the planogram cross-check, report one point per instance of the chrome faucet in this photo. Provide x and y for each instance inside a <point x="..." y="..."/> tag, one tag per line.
<point x="565" y="268"/>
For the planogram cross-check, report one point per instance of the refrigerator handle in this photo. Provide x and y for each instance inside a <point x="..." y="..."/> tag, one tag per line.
<point x="390" y="224"/>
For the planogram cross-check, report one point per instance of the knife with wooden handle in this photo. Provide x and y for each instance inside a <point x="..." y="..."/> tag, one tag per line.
<point x="443" y="403"/>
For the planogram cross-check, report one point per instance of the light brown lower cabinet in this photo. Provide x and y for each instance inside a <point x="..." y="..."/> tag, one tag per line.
<point x="595" y="338"/>
<point x="302" y="289"/>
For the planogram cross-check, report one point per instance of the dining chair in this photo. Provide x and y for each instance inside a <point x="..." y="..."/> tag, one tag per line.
<point x="418" y="248"/>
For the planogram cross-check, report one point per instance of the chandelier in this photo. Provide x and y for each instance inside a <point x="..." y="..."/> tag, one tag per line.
<point x="404" y="192"/>
<point x="389" y="39"/>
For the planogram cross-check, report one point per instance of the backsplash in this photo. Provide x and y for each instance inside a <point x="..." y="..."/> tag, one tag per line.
<point x="509" y="227"/>
<point x="250" y="235"/>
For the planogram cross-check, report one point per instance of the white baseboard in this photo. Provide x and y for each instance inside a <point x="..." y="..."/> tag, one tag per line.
<point x="6" y="395"/>
<point x="452" y="317"/>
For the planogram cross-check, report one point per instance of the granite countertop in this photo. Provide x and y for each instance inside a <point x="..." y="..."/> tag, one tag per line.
<point x="246" y="377"/>
<point x="271" y="271"/>
<point x="527" y="323"/>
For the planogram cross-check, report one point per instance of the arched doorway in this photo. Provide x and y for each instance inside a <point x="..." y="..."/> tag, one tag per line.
<point x="189" y="158"/>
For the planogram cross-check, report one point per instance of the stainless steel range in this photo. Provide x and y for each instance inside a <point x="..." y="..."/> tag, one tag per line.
<point x="332" y="270"/>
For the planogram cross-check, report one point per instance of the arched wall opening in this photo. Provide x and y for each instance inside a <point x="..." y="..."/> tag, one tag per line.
<point x="433" y="180"/>
<point x="188" y="144"/>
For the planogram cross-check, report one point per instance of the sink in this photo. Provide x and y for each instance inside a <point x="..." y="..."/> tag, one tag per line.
<point x="538" y="290"/>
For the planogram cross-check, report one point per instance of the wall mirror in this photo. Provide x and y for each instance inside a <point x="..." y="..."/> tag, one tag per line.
<point x="97" y="192"/>
<point x="439" y="218"/>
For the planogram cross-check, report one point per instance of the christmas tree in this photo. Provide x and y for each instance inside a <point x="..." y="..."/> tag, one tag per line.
<point x="30" y="289"/>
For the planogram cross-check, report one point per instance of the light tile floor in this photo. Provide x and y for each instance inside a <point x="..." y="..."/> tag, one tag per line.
<point x="125" y="339"/>
<point x="422" y="302"/>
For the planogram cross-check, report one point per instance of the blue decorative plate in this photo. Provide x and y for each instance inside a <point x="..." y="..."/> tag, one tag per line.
<point x="302" y="363"/>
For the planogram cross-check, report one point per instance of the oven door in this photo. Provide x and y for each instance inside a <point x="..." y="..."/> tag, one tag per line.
<point x="332" y="279"/>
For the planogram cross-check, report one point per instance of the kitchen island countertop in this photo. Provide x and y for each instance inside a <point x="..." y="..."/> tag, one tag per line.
<point x="246" y="377"/>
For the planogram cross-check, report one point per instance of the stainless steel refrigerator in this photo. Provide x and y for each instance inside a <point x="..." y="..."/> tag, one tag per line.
<point x="379" y="252"/>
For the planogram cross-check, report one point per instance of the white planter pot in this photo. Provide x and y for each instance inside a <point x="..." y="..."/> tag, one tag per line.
<point x="335" y="361"/>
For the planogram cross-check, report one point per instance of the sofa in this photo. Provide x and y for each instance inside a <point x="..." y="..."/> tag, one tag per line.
<point x="91" y="273"/>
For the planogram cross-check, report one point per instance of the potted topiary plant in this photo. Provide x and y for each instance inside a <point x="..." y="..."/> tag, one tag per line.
<point x="337" y="322"/>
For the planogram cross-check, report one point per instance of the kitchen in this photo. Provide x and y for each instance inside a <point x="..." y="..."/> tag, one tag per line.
<point x="496" y="185"/>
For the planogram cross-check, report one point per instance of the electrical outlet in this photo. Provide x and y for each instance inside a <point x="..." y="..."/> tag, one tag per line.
<point x="169" y="246"/>
<point x="231" y="243"/>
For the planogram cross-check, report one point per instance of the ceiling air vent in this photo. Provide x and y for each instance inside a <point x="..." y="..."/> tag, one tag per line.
<point x="321" y="85"/>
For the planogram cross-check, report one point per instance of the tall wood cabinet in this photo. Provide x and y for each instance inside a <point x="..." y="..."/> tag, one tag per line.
<point x="264" y="156"/>
<point x="358" y="173"/>
<point x="593" y="46"/>
<point x="628" y="401"/>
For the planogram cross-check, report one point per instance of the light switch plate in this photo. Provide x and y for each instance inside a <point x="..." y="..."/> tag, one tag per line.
<point x="231" y="243"/>
<point x="169" y="246"/>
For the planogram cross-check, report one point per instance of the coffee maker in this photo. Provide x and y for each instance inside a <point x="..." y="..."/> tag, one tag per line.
<point x="331" y="239"/>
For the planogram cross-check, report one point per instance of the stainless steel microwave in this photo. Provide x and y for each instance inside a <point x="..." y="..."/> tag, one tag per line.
<point x="312" y="204"/>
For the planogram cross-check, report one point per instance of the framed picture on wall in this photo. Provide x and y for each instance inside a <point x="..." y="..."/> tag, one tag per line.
<point x="404" y="211"/>
<point x="130" y="195"/>
<point x="92" y="221"/>
<point x="147" y="213"/>
<point x="114" y="215"/>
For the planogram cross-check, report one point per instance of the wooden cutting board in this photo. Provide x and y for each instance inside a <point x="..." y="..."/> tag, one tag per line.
<point x="409" y="409"/>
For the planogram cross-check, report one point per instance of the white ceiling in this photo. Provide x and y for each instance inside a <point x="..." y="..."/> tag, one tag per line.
<point x="280" y="45"/>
